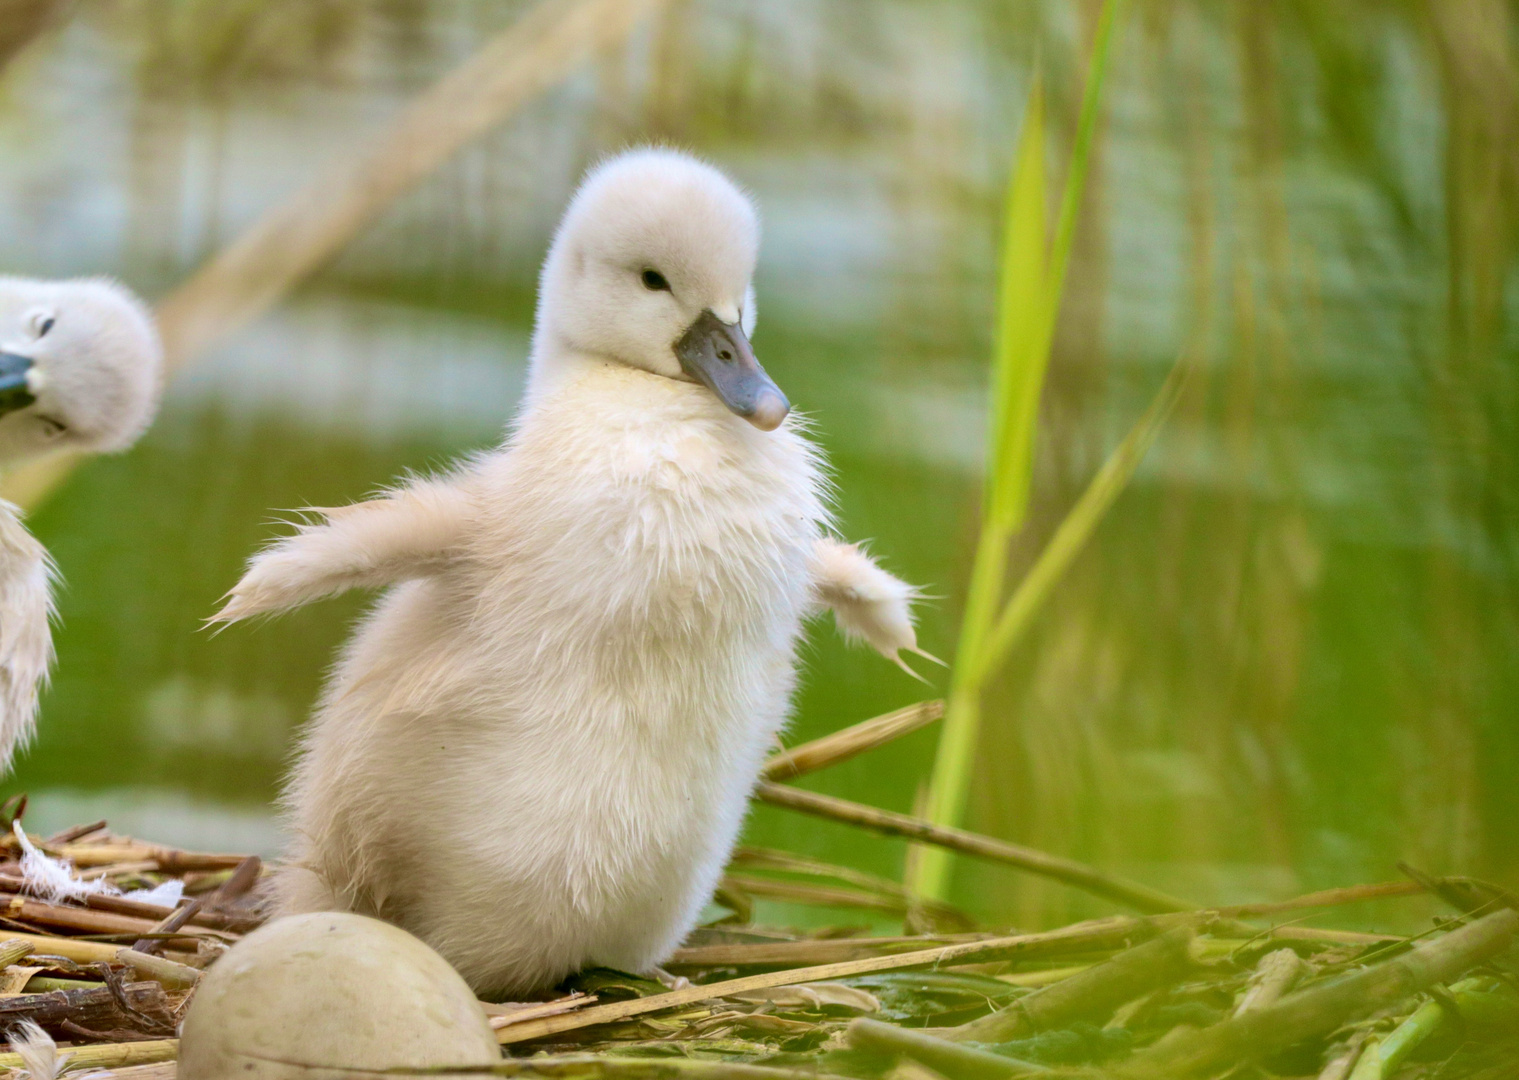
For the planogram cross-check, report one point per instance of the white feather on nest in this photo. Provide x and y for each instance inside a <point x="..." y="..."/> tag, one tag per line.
<point x="39" y="1054"/>
<point x="53" y="879"/>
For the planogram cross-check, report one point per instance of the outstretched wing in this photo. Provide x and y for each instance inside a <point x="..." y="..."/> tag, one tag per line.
<point x="410" y="533"/>
<point x="26" y="639"/>
<point x="867" y="602"/>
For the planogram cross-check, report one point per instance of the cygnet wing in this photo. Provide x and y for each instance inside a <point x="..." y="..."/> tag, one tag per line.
<point x="26" y="639"/>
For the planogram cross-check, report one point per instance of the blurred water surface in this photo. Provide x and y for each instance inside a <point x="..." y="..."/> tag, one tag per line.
<point x="1287" y="661"/>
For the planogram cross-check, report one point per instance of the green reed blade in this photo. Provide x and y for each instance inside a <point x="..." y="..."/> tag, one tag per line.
<point x="1077" y="527"/>
<point x="1086" y="131"/>
<point x="1019" y="360"/>
<point x="1028" y="302"/>
<point x="1017" y="376"/>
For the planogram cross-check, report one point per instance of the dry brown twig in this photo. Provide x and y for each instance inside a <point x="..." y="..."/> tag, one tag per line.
<point x="1101" y="934"/>
<point x="891" y="823"/>
<point x="850" y="742"/>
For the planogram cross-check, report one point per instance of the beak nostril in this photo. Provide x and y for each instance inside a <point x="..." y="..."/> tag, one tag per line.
<point x="717" y="354"/>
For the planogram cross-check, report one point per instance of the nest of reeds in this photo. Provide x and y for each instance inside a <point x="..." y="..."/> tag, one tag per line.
<point x="1171" y="992"/>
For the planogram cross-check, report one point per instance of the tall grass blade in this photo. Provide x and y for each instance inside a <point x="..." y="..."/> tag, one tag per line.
<point x="1017" y="376"/>
<point x="1028" y="302"/>
<point x="1020" y="357"/>
<point x="1077" y="527"/>
<point x="1086" y="132"/>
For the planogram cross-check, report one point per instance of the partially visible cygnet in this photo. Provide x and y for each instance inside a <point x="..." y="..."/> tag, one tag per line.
<point x="81" y="368"/>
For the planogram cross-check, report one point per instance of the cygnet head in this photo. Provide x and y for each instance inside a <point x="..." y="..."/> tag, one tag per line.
<point x="652" y="267"/>
<point x="80" y="366"/>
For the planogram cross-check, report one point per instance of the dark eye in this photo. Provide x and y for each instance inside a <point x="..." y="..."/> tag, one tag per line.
<point x="41" y="324"/>
<point x="654" y="280"/>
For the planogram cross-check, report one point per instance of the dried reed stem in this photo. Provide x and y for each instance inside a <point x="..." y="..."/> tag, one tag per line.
<point x="165" y="972"/>
<point x="809" y="952"/>
<point x="888" y="822"/>
<point x="152" y="913"/>
<point x="78" y="950"/>
<point x="12" y="950"/>
<point x="803" y="892"/>
<point x="93" y="1007"/>
<point x="878" y="893"/>
<point x="168" y="925"/>
<point x="1104" y="933"/>
<point x="172" y="860"/>
<point x="1353" y="894"/>
<point x="661" y="1068"/>
<point x="110" y="1055"/>
<point x="81" y="952"/>
<point x="83" y="920"/>
<point x="851" y="741"/>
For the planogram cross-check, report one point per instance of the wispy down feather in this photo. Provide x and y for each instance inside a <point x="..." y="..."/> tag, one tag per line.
<point x="53" y="879"/>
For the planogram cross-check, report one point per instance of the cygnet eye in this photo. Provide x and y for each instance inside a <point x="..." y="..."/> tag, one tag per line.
<point x="654" y="281"/>
<point x="42" y="322"/>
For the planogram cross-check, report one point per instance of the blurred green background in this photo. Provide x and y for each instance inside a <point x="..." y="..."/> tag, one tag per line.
<point x="1289" y="659"/>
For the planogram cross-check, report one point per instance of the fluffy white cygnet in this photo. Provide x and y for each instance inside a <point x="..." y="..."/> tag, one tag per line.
<point x="80" y="367"/>
<point x="537" y="751"/>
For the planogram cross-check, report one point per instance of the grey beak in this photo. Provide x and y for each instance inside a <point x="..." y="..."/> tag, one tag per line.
<point x="13" y="389"/>
<point x="718" y="354"/>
